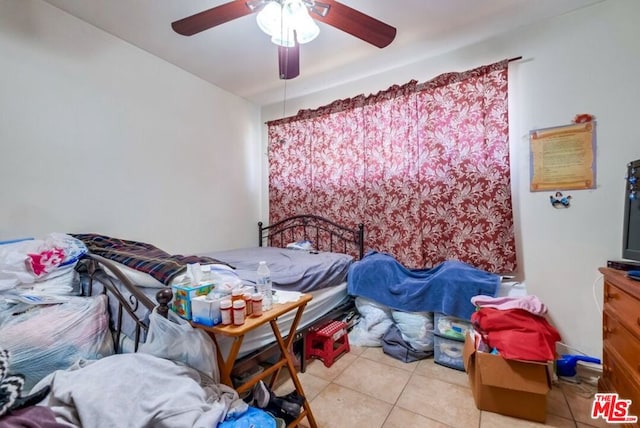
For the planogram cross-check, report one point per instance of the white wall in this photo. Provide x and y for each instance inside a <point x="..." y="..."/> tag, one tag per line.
<point x="99" y="136"/>
<point x="584" y="62"/>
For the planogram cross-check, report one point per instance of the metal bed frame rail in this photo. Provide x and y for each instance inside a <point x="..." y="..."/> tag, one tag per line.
<point x="316" y="229"/>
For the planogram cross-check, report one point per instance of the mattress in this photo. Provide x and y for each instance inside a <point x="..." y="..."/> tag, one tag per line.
<point x="297" y="270"/>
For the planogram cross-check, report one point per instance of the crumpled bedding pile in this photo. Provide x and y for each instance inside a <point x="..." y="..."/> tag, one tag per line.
<point x="122" y="390"/>
<point x="138" y="390"/>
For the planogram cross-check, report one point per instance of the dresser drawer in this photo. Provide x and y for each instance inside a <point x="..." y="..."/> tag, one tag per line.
<point x="625" y="307"/>
<point x="626" y="385"/>
<point x="616" y="336"/>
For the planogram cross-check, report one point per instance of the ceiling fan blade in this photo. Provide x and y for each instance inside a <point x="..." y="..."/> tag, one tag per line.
<point x="211" y="17"/>
<point x="289" y="61"/>
<point x="356" y="23"/>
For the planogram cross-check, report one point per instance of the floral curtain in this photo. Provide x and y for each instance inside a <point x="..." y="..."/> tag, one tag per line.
<point x="425" y="167"/>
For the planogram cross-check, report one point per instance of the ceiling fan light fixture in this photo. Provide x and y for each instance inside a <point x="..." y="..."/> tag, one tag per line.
<point x="306" y="28"/>
<point x="280" y="19"/>
<point x="269" y="19"/>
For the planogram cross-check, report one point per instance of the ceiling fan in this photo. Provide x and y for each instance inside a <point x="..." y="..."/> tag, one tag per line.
<point x="330" y="12"/>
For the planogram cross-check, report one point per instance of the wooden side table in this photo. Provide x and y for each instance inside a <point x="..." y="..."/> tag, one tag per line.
<point x="226" y="363"/>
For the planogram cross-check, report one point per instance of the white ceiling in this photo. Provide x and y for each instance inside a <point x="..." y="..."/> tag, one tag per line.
<point x="238" y="57"/>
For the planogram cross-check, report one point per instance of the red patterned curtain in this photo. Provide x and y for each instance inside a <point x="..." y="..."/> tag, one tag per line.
<point x="424" y="166"/>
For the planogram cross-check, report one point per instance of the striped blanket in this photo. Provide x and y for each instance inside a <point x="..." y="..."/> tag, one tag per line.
<point x="141" y="256"/>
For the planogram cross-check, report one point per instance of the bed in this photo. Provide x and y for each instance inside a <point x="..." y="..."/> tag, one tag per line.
<point x="124" y="372"/>
<point x="134" y="294"/>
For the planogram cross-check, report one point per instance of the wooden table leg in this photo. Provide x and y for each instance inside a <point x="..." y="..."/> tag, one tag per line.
<point x="284" y="347"/>
<point x="225" y="365"/>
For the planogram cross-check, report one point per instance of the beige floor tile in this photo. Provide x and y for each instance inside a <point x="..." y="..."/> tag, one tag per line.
<point x="400" y="418"/>
<point x="376" y="354"/>
<point x="312" y="385"/>
<point x="495" y="420"/>
<point x="357" y="350"/>
<point x="428" y="368"/>
<point x="340" y="407"/>
<point x="445" y="402"/>
<point x="360" y="388"/>
<point x="375" y="379"/>
<point x="557" y="403"/>
<point x="317" y="368"/>
<point x="580" y="399"/>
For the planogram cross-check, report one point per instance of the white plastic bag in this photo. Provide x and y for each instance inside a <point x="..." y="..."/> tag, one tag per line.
<point x="44" y="338"/>
<point x="35" y="260"/>
<point x="375" y="320"/>
<point x="174" y="338"/>
<point x="416" y="328"/>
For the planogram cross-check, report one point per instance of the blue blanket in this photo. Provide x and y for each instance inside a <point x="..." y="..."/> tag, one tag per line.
<point x="446" y="288"/>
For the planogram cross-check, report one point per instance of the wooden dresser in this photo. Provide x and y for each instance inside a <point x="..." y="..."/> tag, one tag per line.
<point x="621" y="337"/>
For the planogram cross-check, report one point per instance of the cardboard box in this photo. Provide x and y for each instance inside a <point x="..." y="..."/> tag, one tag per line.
<point x="509" y="387"/>
<point x="184" y="293"/>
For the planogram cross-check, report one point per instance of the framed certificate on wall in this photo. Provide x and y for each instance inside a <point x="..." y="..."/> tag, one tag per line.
<point x="563" y="157"/>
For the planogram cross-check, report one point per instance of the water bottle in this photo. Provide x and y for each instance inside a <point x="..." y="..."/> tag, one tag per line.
<point x="264" y="285"/>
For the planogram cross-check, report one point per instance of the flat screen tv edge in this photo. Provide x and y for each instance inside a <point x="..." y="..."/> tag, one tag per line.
<point x="631" y="229"/>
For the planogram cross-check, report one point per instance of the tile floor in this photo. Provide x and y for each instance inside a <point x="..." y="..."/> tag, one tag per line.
<point x="367" y="388"/>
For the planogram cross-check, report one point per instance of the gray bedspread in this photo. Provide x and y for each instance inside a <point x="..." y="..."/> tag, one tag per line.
<point x="290" y="269"/>
<point x="137" y="390"/>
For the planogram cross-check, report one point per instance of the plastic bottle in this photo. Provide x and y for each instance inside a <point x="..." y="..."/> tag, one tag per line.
<point x="256" y="303"/>
<point x="238" y="312"/>
<point x="237" y="294"/>
<point x="248" y="304"/>
<point x="226" y="312"/>
<point x="264" y="285"/>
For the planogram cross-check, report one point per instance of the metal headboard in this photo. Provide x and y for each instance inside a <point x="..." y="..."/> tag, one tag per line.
<point x="325" y="234"/>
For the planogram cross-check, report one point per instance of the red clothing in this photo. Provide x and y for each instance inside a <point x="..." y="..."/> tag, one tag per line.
<point x="517" y="334"/>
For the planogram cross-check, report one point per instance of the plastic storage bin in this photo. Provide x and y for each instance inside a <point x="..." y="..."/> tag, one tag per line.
<point x="448" y="352"/>
<point x="451" y="327"/>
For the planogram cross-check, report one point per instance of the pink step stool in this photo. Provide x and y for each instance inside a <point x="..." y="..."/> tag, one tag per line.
<point x="327" y="342"/>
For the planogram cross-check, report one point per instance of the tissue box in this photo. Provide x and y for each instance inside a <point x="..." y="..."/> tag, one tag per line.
<point x="183" y="294"/>
<point x="205" y="310"/>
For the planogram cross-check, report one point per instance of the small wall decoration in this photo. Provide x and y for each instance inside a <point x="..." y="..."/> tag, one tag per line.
<point x="563" y="157"/>
<point x="634" y="186"/>
<point x="559" y="200"/>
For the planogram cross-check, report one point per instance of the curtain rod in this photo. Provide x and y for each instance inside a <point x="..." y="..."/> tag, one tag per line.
<point x="514" y="59"/>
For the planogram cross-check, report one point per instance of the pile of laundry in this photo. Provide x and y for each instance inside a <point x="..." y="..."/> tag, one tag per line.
<point x="515" y="327"/>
